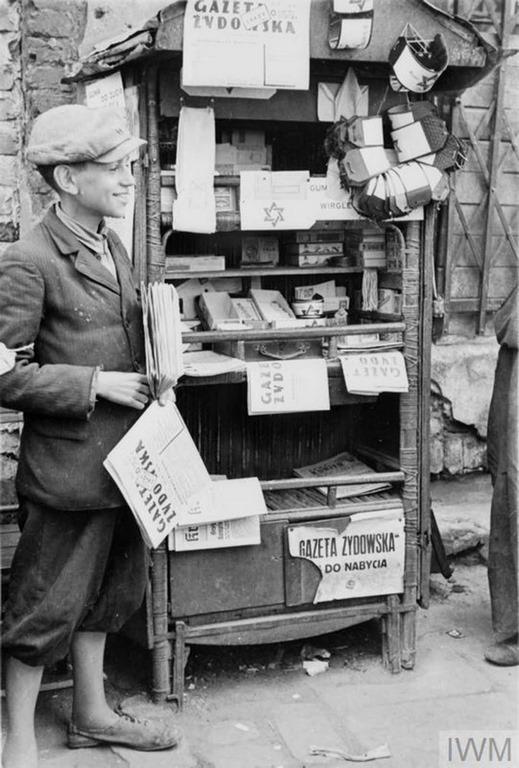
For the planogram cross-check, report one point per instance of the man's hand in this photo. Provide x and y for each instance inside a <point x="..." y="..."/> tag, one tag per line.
<point x="130" y="389"/>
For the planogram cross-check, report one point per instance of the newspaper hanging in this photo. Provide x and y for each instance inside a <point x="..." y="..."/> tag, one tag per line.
<point x="365" y="558"/>
<point x="247" y="44"/>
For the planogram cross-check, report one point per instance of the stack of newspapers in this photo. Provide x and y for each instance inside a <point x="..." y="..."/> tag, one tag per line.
<point x="162" y="337"/>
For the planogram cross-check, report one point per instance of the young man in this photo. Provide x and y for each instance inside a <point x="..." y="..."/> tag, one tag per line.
<point x="69" y="308"/>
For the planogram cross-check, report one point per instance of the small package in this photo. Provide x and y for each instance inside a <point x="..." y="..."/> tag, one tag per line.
<point x="272" y="305"/>
<point x="259" y="251"/>
<point x="195" y="264"/>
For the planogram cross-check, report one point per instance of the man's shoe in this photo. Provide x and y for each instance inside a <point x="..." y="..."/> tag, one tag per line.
<point x="503" y="654"/>
<point x="128" y="731"/>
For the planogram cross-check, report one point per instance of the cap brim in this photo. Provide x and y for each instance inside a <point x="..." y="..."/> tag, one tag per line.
<point x="127" y="147"/>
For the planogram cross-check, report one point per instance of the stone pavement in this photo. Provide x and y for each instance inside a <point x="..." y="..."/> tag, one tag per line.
<point x="255" y="707"/>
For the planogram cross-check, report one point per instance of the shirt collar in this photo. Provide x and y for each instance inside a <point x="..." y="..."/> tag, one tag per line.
<point x="94" y="241"/>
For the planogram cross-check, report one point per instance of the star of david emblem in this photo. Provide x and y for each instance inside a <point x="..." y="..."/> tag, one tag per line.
<point x="274" y="214"/>
<point x="426" y="83"/>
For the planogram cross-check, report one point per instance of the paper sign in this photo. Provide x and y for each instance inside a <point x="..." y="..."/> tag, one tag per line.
<point x="339" y="207"/>
<point x="247" y="44"/>
<point x="275" y="200"/>
<point x="287" y="386"/>
<point x="375" y="372"/>
<point x="106" y="92"/>
<point x="363" y="555"/>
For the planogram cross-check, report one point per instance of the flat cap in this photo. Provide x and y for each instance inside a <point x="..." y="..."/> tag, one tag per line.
<point x="73" y="133"/>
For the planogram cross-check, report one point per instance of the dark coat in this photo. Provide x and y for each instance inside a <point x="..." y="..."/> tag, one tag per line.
<point x="56" y="294"/>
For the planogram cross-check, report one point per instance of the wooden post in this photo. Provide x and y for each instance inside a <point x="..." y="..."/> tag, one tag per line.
<point x="424" y="400"/>
<point x="155" y="252"/>
<point x="140" y="258"/>
<point x="161" y="652"/>
<point x="495" y="143"/>
<point x="409" y="435"/>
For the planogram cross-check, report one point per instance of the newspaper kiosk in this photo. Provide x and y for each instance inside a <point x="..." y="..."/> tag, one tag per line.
<point x="299" y="580"/>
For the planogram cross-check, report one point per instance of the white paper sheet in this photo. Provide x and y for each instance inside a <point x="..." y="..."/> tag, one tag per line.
<point x="374" y="372"/>
<point x="275" y="200"/>
<point x="287" y="386"/>
<point x="194" y="210"/>
<point x="237" y="505"/>
<point x="247" y="45"/>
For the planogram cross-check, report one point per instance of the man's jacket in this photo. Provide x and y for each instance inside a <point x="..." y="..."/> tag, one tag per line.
<point x="56" y="295"/>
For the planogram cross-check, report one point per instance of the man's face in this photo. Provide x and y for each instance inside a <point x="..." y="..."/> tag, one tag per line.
<point x="104" y="189"/>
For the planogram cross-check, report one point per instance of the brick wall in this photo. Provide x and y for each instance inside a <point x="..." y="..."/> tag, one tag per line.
<point x="11" y="110"/>
<point x="37" y="39"/>
<point x="51" y="31"/>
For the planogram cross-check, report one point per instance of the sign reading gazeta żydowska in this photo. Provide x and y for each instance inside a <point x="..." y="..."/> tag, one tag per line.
<point x="246" y="44"/>
<point x="363" y="556"/>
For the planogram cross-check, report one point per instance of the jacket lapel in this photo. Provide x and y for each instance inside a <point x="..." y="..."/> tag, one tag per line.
<point x="124" y="269"/>
<point x="84" y="261"/>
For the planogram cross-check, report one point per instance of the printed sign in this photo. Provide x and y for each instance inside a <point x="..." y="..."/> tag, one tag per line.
<point x="339" y="207"/>
<point x="287" y="386"/>
<point x="247" y="44"/>
<point x="106" y="92"/>
<point x="275" y="200"/>
<point x="375" y="372"/>
<point x="365" y="558"/>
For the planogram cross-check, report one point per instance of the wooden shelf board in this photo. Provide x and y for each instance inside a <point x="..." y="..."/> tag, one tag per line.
<point x="262" y="272"/>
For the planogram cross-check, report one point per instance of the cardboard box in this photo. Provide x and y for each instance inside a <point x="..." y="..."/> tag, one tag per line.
<point x="225" y="199"/>
<point x="326" y="290"/>
<point x="259" y="250"/>
<point x="195" y="264"/>
<point x="308" y="259"/>
<point x="331" y="249"/>
<point x="316" y="236"/>
<point x="371" y="260"/>
<point x="249" y="137"/>
<point x="241" y="157"/>
<point x="220" y="312"/>
<point x="272" y="305"/>
<point x="247" y="311"/>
